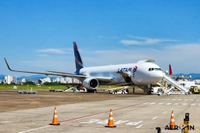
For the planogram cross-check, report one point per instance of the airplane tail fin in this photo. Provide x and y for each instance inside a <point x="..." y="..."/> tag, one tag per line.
<point x="170" y="70"/>
<point x="78" y="60"/>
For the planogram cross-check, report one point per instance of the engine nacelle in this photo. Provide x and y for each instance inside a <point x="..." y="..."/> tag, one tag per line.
<point x="91" y="83"/>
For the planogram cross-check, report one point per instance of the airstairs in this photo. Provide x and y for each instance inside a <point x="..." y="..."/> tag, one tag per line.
<point x="172" y="87"/>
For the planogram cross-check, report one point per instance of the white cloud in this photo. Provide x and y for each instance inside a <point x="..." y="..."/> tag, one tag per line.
<point x="130" y="42"/>
<point x="51" y="50"/>
<point x="144" y="40"/>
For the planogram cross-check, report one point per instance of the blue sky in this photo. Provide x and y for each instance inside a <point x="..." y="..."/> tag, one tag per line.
<point x="37" y="35"/>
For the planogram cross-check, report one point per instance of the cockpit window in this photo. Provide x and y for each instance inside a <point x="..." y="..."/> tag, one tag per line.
<point x="154" y="69"/>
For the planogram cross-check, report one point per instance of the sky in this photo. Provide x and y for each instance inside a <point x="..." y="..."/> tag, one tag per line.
<point x="38" y="35"/>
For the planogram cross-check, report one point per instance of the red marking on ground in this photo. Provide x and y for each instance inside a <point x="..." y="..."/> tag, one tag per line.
<point x="90" y="115"/>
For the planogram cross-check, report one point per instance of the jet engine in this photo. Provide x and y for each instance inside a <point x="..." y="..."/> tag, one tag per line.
<point x="91" y="83"/>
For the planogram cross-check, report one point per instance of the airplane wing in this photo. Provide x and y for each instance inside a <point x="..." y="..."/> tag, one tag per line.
<point x="47" y="73"/>
<point x="58" y="72"/>
<point x="63" y="74"/>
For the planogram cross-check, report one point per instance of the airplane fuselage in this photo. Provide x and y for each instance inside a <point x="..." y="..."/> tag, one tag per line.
<point x="141" y="73"/>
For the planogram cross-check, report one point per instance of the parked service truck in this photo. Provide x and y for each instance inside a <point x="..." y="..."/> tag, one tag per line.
<point x="194" y="90"/>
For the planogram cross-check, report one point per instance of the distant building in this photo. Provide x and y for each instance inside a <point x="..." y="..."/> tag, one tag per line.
<point x="23" y="80"/>
<point x="44" y="80"/>
<point x="56" y="80"/>
<point x="10" y="79"/>
<point x="75" y="80"/>
<point x="47" y="79"/>
<point x="197" y="81"/>
<point x="68" y="80"/>
<point x="60" y="80"/>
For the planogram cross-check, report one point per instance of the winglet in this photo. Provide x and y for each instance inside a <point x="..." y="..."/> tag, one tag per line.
<point x="8" y="65"/>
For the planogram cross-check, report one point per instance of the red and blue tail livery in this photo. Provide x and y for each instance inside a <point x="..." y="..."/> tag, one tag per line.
<point x="78" y="60"/>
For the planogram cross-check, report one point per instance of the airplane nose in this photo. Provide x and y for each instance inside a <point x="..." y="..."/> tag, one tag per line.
<point x="157" y="76"/>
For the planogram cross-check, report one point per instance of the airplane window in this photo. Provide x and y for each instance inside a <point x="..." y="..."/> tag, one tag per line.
<point x="157" y="68"/>
<point x="152" y="69"/>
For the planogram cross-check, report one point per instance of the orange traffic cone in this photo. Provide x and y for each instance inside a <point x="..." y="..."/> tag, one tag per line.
<point x="110" y="120"/>
<point x="55" y="118"/>
<point x="172" y="121"/>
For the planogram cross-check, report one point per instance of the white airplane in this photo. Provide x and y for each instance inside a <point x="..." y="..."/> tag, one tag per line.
<point x="143" y="73"/>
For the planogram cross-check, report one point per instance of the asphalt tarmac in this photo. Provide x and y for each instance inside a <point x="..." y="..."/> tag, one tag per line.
<point x="131" y="113"/>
